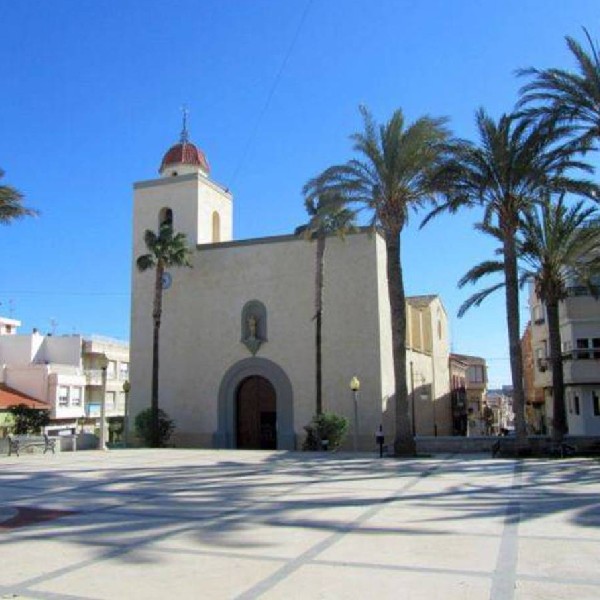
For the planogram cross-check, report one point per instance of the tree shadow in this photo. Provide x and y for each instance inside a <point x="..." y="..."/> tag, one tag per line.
<point x="124" y="512"/>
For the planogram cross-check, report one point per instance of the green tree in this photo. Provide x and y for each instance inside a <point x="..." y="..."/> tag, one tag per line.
<point x="27" y="419"/>
<point x="11" y="206"/>
<point x="389" y="177"/>
<point x="515" y="162"/>
<point x="166" y="249"/>
<point x="144" y="427"/>
<point x="569" y="97"/>
<point x="559" y="245"/>
<point x="328" y="216"/>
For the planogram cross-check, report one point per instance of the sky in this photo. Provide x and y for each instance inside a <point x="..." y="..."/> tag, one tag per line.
<point x="91" y="99"/>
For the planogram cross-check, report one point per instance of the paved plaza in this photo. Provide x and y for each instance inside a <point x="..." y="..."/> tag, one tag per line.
<point x="228" y="524"/>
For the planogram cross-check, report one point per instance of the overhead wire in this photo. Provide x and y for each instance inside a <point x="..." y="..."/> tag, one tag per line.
<point x="271" y="93"/>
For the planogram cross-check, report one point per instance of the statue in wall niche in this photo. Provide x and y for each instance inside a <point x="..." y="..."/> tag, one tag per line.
<point x="253" y="325"/>
<point x="252" y="340"/>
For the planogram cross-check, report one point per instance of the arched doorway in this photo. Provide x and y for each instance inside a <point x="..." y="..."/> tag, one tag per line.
<point x="256" y="414"/>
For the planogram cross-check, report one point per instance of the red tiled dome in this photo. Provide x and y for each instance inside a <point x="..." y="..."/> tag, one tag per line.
<point x="184" y="153"/>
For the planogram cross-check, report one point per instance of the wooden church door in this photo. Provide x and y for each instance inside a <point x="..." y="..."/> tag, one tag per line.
<point x="256" y="414"/>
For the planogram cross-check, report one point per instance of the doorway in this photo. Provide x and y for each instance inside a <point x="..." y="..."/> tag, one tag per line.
<point x="256" y="410"/>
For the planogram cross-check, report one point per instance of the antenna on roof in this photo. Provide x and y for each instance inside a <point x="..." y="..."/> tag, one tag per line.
<point x="185" y="138"/>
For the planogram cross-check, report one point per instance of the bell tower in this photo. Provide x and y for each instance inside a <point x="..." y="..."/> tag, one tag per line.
<point x="185" y="196"/>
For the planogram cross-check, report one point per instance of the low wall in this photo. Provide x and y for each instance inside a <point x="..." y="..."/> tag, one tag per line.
<point x="483" y="444"/>
<point x="64" y="443"/>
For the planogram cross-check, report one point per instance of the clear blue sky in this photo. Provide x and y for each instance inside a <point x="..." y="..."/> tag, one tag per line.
<point x="91" y="92"/>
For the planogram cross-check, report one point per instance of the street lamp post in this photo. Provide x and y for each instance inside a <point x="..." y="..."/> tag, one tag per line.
<point x="102" y="441"/>
<point x="126" y="388"/>
<point x="355" y="387"/>
<point x="412" y="393"/>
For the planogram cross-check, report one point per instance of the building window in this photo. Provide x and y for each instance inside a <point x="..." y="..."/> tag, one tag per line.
<point x="596" y="347"/>
<point x="596" y="402"/>
<point x="110" y="400"/>
<point x="165" y="217"/>
<point x="76" y="396"/>
<point x="111" y="371"/>
<point x="538" y="314"/>
<point x="123" y="371"/>
<point x="475" y="374"/>
<point x="63" y="395"/>
<point x="576" y="404"/>
<point x="582" y="348"/>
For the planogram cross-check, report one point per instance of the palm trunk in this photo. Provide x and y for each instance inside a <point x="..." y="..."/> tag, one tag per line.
<point x="514" y="340"/>
<point x="156" y="315"/>
<point x="558" y="389"/>
<point x="319" y="320"/>
<point x="404" y="443"/>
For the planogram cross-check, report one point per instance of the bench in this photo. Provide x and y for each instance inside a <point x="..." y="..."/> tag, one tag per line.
<point x="16" y="443"/>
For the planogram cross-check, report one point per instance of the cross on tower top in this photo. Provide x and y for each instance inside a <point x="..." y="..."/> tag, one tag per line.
<point x="185" y="138"/>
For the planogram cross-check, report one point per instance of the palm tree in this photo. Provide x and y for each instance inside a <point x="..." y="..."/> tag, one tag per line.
<point x="557" y="245"/>
<point x="572" y="98"/>
<point x="328" y="216"/>
<point x="10" y="204"/>
<point x="390" y="177"/>
<point x="167" y="249"/>
<point x="516" y="160"/>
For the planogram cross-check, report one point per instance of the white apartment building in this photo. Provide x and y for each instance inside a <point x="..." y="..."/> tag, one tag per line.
<point x="579" y="317"/>
<point x="65" y="372"/>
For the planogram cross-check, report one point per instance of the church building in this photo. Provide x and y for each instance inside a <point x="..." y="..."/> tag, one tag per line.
<point x="237" y="337"/>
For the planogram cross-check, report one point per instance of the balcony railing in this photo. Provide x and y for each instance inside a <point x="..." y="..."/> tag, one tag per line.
<point x="582" y="354"/>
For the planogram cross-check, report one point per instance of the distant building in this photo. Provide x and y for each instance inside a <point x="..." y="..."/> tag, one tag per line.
<point x="475" y="388"/>
<point x="579" y="316"/>
<point x="63" y="373"/>
<point x="10" y="397"/>
<point x="428" y="359"/>
<point x="458" y="394"/>
<point x="9" y="326"/>
<point x="535" y="408"/>
<point x="501" y="404"/>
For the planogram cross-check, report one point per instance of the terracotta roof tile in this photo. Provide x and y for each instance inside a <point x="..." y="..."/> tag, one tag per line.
<point x="10" y="397"/>
<point x="185" y="153"/>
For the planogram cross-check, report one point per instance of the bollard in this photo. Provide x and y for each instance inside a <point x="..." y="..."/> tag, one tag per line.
<point x="380" y="439"/>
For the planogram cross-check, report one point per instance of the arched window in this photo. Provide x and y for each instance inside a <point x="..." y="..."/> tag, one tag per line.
<point x="216" y="227"/>
<point x="165" y="217"/>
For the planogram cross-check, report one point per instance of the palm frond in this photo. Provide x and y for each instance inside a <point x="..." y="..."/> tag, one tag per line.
<point x="478" y="298"/>
<point x="483" y="269"/>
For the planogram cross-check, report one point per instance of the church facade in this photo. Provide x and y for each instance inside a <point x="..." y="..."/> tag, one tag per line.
<point x="237" y="341"/>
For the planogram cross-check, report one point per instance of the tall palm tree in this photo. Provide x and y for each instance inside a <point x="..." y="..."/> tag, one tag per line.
<point x="11" y="206"/>
<point x="165" y="249"/>
<point x="570" y="97"/>
<point x="515" y="161"/>
<point x="389" y="177"/>
<point x="328" y="216"/>
<point x="559" y="244"/>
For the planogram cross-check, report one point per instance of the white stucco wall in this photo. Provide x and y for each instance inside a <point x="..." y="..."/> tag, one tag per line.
<point x="64" y="350"/>
<point x="201" y="329"/>
<point x="192" y="198"/>
<point x="20" y="349"/>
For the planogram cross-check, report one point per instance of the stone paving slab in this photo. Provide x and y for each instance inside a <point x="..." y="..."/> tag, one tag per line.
<point x="228" y="524"/>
